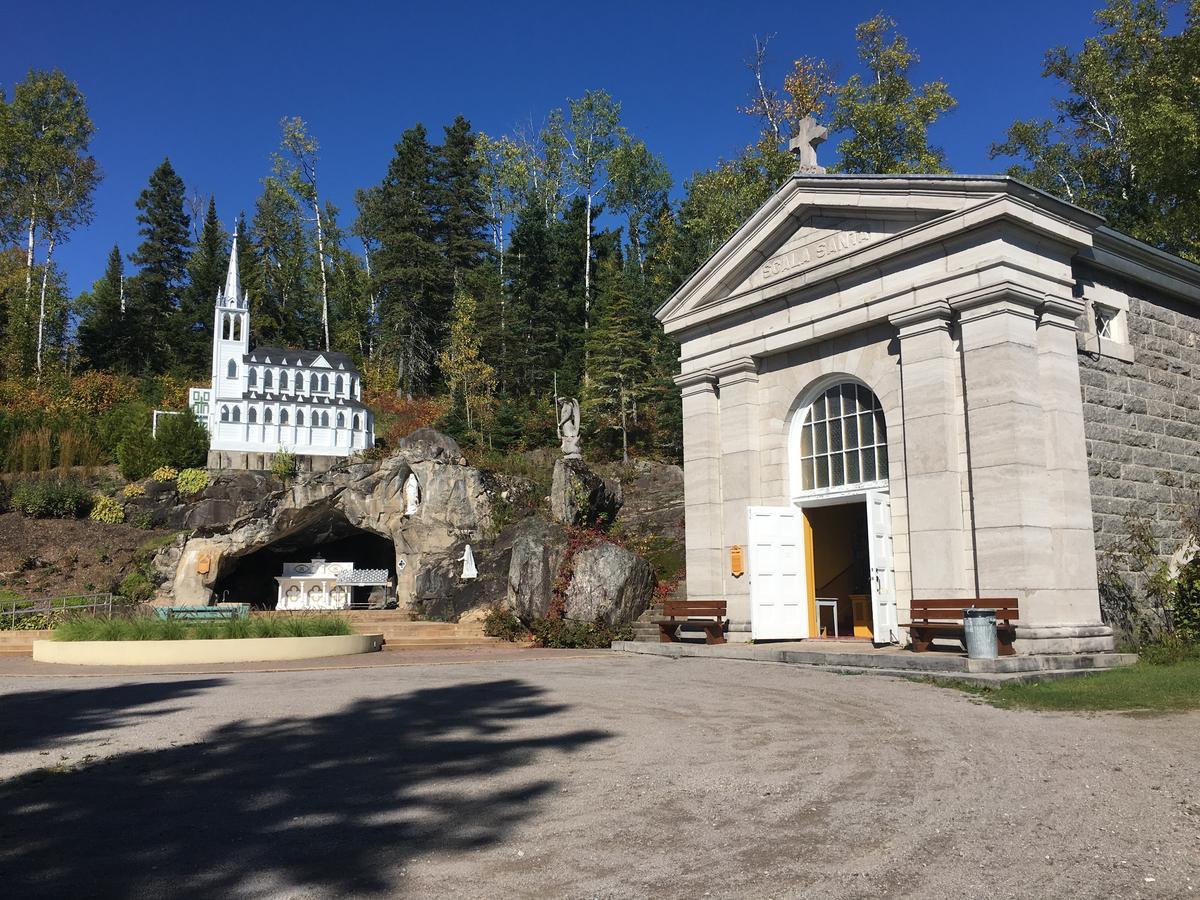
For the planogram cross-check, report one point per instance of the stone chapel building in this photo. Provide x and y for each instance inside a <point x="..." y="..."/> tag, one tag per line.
<point x="269" y="399"/>
<point x="931" y="387"/>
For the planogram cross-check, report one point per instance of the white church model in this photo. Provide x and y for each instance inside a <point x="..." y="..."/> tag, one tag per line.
<point x="269" y="399"/>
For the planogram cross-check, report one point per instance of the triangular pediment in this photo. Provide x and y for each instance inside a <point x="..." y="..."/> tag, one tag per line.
<point x="816" y="229"/>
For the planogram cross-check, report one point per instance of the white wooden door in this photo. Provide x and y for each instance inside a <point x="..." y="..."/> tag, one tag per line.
<point x="778" y="588"/>
<point x="883" y="582"/>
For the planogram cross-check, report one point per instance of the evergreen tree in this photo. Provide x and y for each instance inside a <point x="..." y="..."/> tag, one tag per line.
<point x="286" y="308"/>
<point x="462" y="203"/>
<point x="106" y="340"/>
<point x="407" y="268"/>
<point x="182" y="441"/>
<point x="206" y="269"/>
<point x="163" y="255"/>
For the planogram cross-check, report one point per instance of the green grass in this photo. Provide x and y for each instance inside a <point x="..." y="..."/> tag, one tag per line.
<point x="1147" y="686"/>
<point x="145" y="628"/>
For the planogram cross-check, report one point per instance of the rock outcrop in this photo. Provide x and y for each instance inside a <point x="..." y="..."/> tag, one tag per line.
<point x="578" y="496"/>
<point x="608" y="584"/>
<point x="538" y="549"/>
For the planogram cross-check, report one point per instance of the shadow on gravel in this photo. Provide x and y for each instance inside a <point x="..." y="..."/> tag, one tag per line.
<point x="332" y="805"/>
<point x="30" y="720"/>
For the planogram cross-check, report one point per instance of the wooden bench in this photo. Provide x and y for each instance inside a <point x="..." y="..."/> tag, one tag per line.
<point x="696" y="615"/>
<point x="223" y="613"/>
<point x="943" y="619"/>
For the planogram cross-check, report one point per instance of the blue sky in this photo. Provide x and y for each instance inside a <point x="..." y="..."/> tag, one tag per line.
<point x="206" y="84"/>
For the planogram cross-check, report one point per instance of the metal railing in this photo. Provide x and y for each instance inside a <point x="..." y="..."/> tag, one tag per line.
<point x="14" y="610"/>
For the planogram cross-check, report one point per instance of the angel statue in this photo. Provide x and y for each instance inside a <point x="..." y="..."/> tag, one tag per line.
<point x="568" y="427"/>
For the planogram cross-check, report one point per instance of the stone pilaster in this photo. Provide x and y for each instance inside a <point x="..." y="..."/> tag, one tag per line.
<point x="1005" y="443"/>
<point x="702" y="484"/>
<point x="939" y="532"/>
<point x="740" y="474"/>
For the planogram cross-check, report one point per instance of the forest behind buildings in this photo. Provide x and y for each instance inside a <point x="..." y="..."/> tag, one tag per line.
<point x="479" y="276"/>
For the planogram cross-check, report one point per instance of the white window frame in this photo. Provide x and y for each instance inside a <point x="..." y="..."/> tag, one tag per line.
<point x="851" y="491"/>
<point x="1116" y="304"/>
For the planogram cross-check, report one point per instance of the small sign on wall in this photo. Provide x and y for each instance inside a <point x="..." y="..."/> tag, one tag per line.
<point x="737" y="561"/>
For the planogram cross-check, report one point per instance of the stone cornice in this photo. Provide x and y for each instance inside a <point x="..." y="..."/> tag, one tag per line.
<point x="928" y="317"/>
<point x="742" y="369"/>
<point x="700" y="381"/>
<point x="1003" y="298"/>
<point x="1061" y="312"/>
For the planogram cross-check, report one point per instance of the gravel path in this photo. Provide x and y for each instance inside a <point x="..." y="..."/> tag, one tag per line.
<point x="601" y="776"/>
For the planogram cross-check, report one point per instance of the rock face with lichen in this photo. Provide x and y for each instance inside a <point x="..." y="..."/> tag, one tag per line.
<point x="578" y="496"/>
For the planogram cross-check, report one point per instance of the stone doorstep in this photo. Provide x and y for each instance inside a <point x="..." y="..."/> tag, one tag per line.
<point x="896" y="662"/>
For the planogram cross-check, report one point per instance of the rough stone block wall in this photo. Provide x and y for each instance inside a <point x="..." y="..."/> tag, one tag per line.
<point x="1142" y="425"/>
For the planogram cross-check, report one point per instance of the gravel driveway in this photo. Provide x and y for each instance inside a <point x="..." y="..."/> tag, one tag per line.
<point x="613" y="776"/>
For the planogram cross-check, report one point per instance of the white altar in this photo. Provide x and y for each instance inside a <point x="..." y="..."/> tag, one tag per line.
<point x="321" y="584"/>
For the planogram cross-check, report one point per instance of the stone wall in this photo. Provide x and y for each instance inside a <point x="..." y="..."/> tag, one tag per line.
<point x="1142" y="423"/>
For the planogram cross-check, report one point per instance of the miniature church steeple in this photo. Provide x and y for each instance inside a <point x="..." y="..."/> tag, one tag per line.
<point x="231" y="294"/>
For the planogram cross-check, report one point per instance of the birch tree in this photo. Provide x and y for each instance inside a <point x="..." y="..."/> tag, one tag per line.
<point x="594" y="134"/>
<point x="296" y="167"/>
<point x="638" y="189"/>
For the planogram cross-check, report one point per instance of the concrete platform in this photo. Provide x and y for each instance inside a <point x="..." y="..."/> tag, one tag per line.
<point x="863" y="658"/>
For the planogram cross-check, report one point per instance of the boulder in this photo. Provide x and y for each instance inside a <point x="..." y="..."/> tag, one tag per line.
<point x="609" y="584"/>
<point x="441" y="593"/>
<point x="430" y="444"/>
<point x="537" y="553"/>
<point x="578" y="496"/>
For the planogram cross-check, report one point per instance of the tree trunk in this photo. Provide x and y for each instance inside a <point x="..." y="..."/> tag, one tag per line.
<point x="372" y="300"/>
<point x="42" y="309"/>
<point x="29" y="256"/>
<point x="587" y="263"/>
<point x="324" y="285"/>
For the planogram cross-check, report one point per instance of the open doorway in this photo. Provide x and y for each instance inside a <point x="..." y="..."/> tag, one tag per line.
<point x="840" y="580"/>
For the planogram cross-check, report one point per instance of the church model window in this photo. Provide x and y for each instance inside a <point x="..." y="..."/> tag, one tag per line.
<point x="299" y="417"/>
<point x="325" y="384"/>
<point x="251" y="378"/>
<point x="237" y="414"/>
<point x="231" y="370"/>
<point x="843" y="440"/>
<point x="324" y="420"/>
<point x="338" y="385"/>
<point x="341" y="421"/>
<point x="253" y="416"/>
<point x="267" y="415"/>
<point x="224" y="413"/>
<point x="283" y="417"/>
<point x="283" y="381"/>
<point x="268" y="381"/>
<point x="356" y="422"/>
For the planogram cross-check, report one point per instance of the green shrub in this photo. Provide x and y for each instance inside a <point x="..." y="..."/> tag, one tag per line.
<point x="138" y="454"/>
<point x="182" y="441"/>
<point x="46" y="498"/>
<point x="501" y="623"/>
<point x="284" y="466"/>
<point x="192" y="481"/>
<point x="165" y="473"/>
<point x="107" y="510"/>
<point x="150" y="628"/>
<point x="119" y="421"/>
<point x="1185" y="612"/>
<point x="134" y="490"/>
<point x="137" y="587"/>
<point x="570" y="634"/>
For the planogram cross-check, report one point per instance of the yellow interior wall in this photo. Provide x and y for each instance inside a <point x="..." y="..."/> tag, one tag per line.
<point x="809" y="575"/>
<point x="829" y="538"/>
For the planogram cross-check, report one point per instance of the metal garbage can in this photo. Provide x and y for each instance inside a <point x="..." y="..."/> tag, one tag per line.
<point x="979" y="629"/>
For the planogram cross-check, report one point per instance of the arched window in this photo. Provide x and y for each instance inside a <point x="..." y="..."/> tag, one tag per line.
<point x="231" y="369"/>
<point x="337" y="597"/>
<point x="312" y="383"/>
<point x="237" y="328"/>
<point x="292" y="595"/>
<point x="299" y="417"/>
<point x="283" y="417"/>
<point x="253" y="416"/>
<point x="268" y="381"/>
<point x="338" y="385"/>
<point x="224" y="413"/>
<point x="237" y="414"/>
<point x="325" y="383"/>
<point x="283" y="381"/>
<point x="267" y="415"/>
<point x="843" y="439"/>
<point x="341" y="420"/>
<point x="225" y="327"/>
<point x="252" y="378"/>
<point x="351" y="393"/>
<point x="314" y="595"/>
<point x="357" y="422"/>
<point x="324" y="420"/>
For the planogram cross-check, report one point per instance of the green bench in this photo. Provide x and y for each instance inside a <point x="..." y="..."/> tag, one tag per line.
<point x="222" y="613"/>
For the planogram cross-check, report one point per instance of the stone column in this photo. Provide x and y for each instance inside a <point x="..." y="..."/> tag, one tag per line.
<point x="939" y="532"/>
<point x="702" y="484"/>
<point x="1006" y="446"/>
<point x="740" y="475"/>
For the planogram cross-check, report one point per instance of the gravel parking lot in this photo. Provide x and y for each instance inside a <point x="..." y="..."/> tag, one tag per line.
<point x="600" y="776"/>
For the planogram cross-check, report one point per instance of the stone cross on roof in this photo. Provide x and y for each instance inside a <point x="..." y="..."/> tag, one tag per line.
<point x="809" y="134"/>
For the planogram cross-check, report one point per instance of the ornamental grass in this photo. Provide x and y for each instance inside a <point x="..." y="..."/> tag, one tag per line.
<point x="147" y="628"/>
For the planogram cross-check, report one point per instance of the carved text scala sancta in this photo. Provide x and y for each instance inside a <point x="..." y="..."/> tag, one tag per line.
<point x="826" y="248"/>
